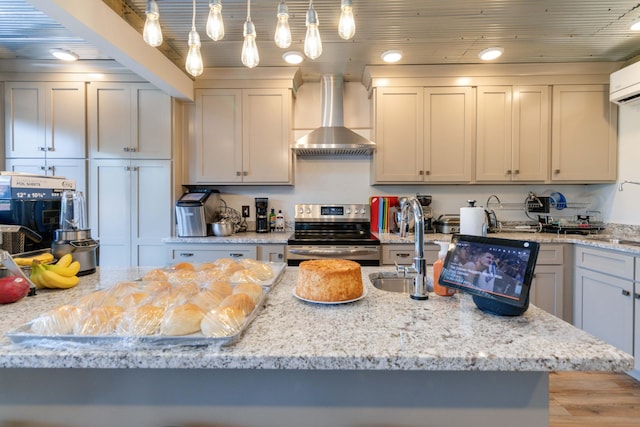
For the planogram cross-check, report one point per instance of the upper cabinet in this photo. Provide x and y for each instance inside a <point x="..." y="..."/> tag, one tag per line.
<point x="129" y="120"/>
<point x="512" y="137"/>
<point x="423" y="134"/>
<point x="584" y="134"/>
<point x="243" y="136"/>
<point x="45" y="120"/>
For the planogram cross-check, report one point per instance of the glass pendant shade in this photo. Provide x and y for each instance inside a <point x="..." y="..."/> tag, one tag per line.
<point x="152" y="33"/>
<point x="347" y="25"/>
<point x="250" y="57"/>
<point x="312" y="41"/>
<point x="283" y="32"/>
<point x="194" y="64"/>
<point x="215" y="25"/>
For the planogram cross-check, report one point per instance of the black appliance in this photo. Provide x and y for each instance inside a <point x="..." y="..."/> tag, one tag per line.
<point x="333" y="231"/>
<point x="41" y="216"/>
<point x="262" y="215"/>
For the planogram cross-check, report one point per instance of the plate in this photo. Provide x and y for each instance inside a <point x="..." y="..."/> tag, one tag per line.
<point x="364" y="294"/>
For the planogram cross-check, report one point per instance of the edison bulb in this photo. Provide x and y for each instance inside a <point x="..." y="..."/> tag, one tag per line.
<point x="152" y="33"/>
<point x="283" y="32"/>
<point x="215" y="25"/>
<point x="194" y="58"/>
<point x="312" y="41"/>
<point x="250" y="57"/>
<point x="347" y="25"/>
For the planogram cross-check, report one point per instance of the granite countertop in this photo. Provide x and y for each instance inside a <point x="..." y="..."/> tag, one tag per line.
<point x="243" y="237"/>
<point x="382" y="331"/>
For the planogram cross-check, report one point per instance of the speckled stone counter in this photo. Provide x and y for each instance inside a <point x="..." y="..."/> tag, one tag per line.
<point x="383" y="360"/>
<point x="244" y="237"/>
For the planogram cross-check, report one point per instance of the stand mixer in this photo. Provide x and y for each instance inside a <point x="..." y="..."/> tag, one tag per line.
<point x="73" y="236"/>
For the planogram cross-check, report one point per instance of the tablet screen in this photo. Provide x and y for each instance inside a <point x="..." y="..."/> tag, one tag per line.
<point x="498" y="269"/>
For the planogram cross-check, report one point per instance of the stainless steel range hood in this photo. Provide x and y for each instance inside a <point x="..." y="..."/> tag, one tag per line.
<point x="332" y="138"/>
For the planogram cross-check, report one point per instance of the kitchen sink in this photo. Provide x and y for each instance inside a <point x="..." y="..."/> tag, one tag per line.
<point x="391" y="282"/>
<point x="607" y="239"/>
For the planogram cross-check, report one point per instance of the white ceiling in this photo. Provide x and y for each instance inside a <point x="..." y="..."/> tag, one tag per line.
<point x="428" y="31"/>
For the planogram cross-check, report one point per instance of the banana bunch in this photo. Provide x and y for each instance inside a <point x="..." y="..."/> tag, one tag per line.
<point x="61" y="275"/>
<point x="27" y="261"/>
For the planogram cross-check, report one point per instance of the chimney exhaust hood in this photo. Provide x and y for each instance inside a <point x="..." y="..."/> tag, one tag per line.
<point x="332" y="138"/>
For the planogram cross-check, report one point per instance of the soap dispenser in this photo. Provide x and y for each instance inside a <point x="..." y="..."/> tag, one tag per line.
<point x="437" y="269"/>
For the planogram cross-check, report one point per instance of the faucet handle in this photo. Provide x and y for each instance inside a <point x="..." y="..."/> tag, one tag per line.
<point x="405" y="269"/>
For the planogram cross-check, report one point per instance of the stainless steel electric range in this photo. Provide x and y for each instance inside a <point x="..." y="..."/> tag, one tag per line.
<point x="333" y="231"/>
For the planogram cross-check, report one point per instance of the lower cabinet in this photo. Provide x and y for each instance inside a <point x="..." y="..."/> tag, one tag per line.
<point x="604" y="296"/>
<point x="547" y="288"/>
<point x="402" y="254"/>
<point x="196" y="253"/>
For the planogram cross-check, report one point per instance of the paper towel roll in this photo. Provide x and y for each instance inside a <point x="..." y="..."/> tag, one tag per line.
<point x="473" y="221"/>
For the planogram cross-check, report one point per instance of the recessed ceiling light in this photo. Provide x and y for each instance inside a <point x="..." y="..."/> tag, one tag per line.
<point x="64" y="55"/>
<point x="635" y="26"/>
<point x="391" y="55"/>
<point x="293" y="57"/>
<point x="491" y="53"/>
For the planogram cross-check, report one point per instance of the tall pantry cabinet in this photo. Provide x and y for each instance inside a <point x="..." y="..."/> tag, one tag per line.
<point x="130" y="172"/>
<point x="45" y="131"/>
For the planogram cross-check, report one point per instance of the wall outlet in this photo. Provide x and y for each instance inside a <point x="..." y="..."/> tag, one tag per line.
<point x="245" y="211"/>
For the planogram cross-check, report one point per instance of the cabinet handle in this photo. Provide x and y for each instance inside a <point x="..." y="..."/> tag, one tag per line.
<point x="516" y="171"/>
<point x="427" y="172"/>
<point x="245" y="173"/>
<point x="626" y="293"/>
<point x="42" y="148"/>
<point x="132" y="150"/>
<point x="51" y="149"/>
<point x="185" y="254"/>
<point x="126" y="149"/>
<point x="238" y="173"/>
<point x="43" y="168"/>
<point x="420" y="172"/>
<point x="508" y="171"/>
<point x="556" y="171"/>
<point x="236" y="255"/>
<point x="403" y="255"/>
<point x="52" y="169"/>
<point x="637" y="296"/>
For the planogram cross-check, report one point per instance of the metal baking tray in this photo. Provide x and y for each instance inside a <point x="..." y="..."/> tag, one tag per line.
<point x="23" y="336"/>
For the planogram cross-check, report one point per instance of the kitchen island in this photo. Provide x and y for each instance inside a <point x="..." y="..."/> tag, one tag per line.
<point x="384" y="360"/>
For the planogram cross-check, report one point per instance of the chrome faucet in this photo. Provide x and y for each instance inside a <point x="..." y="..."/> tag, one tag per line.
<point x="419" y="267"/>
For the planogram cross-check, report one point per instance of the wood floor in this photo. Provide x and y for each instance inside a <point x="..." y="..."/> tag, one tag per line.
<point x="586" y="399"/>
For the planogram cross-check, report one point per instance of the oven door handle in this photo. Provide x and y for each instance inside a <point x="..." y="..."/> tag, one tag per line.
<point x="332" y="252"/>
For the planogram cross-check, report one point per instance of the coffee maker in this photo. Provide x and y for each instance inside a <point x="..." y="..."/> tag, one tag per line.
<point x="427" y="211"/>
<point x="73" y="236"/>
<point x="262" y="215"/>
<point x="196" y="209"/>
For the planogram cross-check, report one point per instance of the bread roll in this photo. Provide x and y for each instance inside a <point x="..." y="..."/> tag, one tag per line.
<point x="121" y="289"/>
<point x="187" y="290"/>
<point x="183" y="266"/>
<point x="140" y="321"/>
<point x="260" y="269"/>
<point x="244" y="276"/>
<point x="182" y="320"/>
<point x="212" y="275"/>
<point x="228" y="265"/>
<point x="99" y="321"/>
<point x="58" y="321"/>
<point x="206" y="299"/>
<point x="241" y="301"/>
<point x="222" y="322"/>
<point x="133" y="299"/>
<point x="155" y="286"/>
<point x="156" y="274"/>
<point x="223" y="289"/>
<point x="95" y="299"/>
<point x="206" y="266"/>
<point x="183" y="276"/>
<point x="251" y="289"/>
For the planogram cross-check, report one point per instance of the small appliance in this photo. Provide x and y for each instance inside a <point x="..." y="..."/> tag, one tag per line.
<point x="262" y="215"/>
<point x="427" y="211"/>
<point x="196" y="210"/>
<point x="73" y="236"/>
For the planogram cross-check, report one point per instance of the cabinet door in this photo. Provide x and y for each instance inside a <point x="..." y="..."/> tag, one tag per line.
<point x="66" y="118"/>
<point x="110" y="210"/>
<point x="584" y="134"/>
<point x="110" y="116"/>
<point x="604" y="307"/>
<point x="547" y="289"/>
<point x="448" y="128"/>
<point x="399" y="154"/>
<point x="531" y="133"/>
<point x="25" y="119"/>
<point x="151" y="211"/>
<point x="272" y="253"/>
<point x="152" y="123"/>
<point x="493" y="134"/>
<point x="219" y="136"/>
<point x="69" y="168"/>
<point x="28" y="165"/>
<point x="266" y="138"/>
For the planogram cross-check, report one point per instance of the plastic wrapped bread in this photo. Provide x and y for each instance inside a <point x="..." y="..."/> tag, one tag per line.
<point x="242" y="301"/>
<point x="142" y="320"/>
<point x="99" y="321"/>
<point x="58" y="321"/>
<point x="222" y="322"/>
<point x="182" y="319"/>
<point x="251" y="289"/>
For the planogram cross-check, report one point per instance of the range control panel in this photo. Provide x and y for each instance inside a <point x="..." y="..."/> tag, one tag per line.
<point x="332" y="212"/>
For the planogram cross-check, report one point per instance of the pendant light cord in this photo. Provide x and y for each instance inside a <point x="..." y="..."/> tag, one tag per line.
<point x="193" y="19"/>
<point x="248" y="9"/>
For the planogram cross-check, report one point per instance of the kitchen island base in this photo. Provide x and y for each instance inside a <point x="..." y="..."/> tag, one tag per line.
<point x="265" y="397"/>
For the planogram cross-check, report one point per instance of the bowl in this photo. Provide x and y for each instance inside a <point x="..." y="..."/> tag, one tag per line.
<point x="222" y="229"/>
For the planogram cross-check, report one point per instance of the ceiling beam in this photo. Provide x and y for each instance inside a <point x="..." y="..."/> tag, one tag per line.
<point x="99" y="25"/>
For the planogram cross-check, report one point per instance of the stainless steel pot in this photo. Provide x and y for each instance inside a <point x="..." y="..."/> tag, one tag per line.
<point x="448" y="224"/>
<point x="222" y="228"/>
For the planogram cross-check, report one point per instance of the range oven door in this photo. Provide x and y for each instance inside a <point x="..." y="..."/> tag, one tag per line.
<point x="366" y="255"/>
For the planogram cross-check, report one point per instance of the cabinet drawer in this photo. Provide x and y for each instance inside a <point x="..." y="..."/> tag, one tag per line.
<point x="551" y="254"/>
<point x="197" y="255"/>
<point x="604" y="261"/>
<point x="403" y="254"/>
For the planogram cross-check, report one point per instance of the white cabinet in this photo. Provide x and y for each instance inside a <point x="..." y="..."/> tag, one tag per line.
<point x="636" y="322"/>
<point x="45" y="120"/>
<point x="272" y="253"/>
<point x="423" y="134"/>
<point x="512" y="136"/>
<point x="197" y="253"/>
<point x="604" y="295"/>
<point x="69" y="168"/>
<point x="402" y="254"/>
<point x="130" y="210"/>
<point x="243" y="136"/>
<point x="129" y="120"/>
<point x="547" y="288"/>
<point x="584" y="134"/>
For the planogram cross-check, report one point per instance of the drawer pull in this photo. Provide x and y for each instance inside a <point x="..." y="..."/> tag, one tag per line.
<point x="626" y="293"/>
<point x="235" y="255"/>
<point x="637" y="296"/>
<point x="404" y="255"/>
<point x="185" y="254"/>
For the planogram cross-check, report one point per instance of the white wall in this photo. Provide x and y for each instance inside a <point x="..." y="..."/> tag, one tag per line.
<point x="346" y="179"/>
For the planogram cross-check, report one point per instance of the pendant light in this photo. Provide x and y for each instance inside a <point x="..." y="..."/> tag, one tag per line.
<point x="194" y="59"/>
<point x="215" y="26"/>
<point x="152" y="33"/>
<point x="312" y="41"/>
<point x="347" y="25"/>
<point x="250" y="57"/>
<point x="283" y="32"/>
